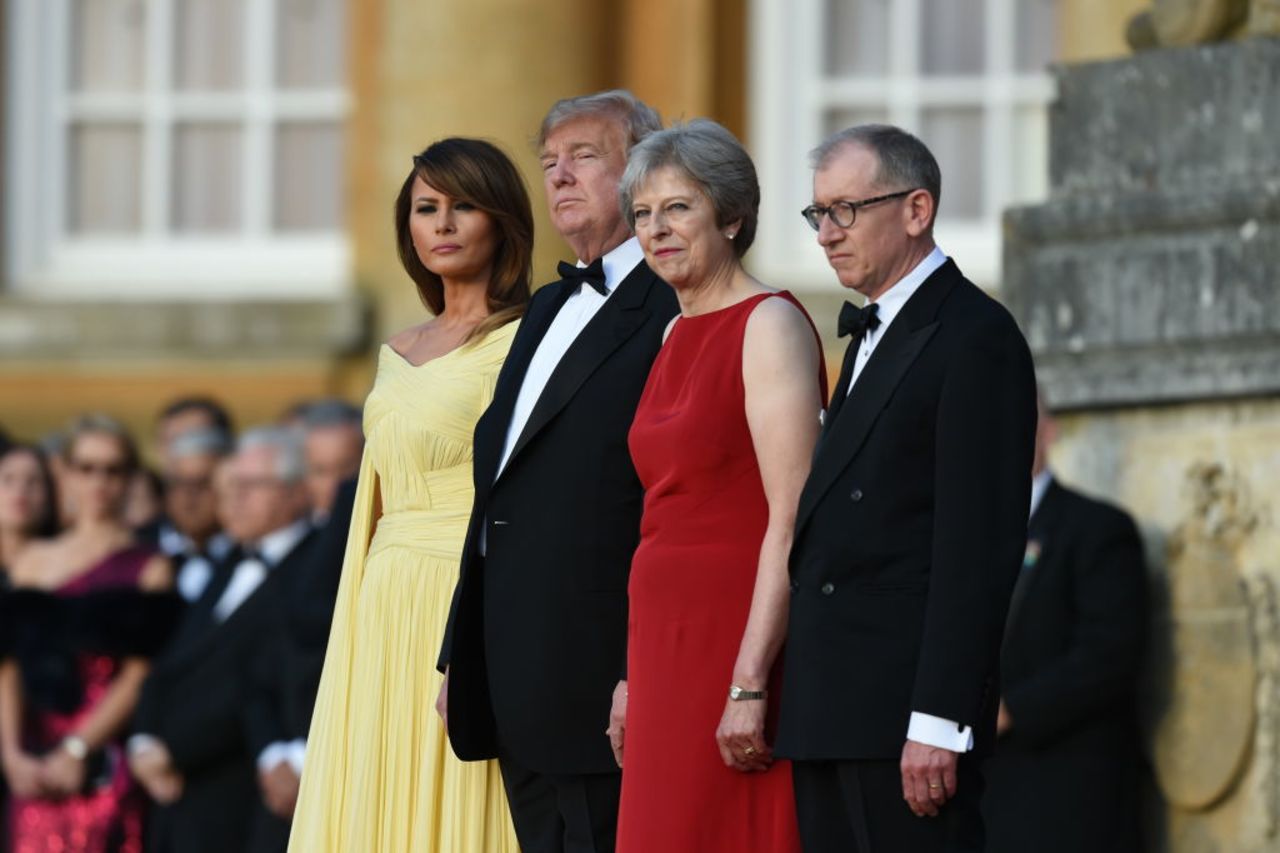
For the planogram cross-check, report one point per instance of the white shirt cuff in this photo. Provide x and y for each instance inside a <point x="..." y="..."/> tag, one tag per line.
<point x="297" y="754"/>
<point x="936" y="731"/>
<point x="272" y="755"/>
<point x="140" y="743"/>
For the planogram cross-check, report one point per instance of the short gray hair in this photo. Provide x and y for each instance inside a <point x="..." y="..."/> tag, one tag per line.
<point x="905" y="161"/>
<point x="710" y="156"/>
<point x="291" y="463"/>
<point x="200" y="442"/>
<point x="637" y="118"/>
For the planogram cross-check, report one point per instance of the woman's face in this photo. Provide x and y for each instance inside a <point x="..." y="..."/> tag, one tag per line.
<point x="24" y="496"/>
<point x="676" y="224"/>
<point x="98" y="476"/>
<point x="454" y="238"/>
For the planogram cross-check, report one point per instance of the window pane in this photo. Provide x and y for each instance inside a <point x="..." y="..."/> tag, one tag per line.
<point x="209" y="44"/>
<point x="857" y="37"/>
<point x="1036" y="34"/>
<point x="309" y="47"/>
<point x="952" y="36"/>
<point x="839" y="119"/>
<point x="954" y="134"/>
<point x="1030" y="179"/>
<point x="206" y="177"/>
<point x="107" y="45"/>
<point x="308" y="176"/>
<point x="105" y="179"/>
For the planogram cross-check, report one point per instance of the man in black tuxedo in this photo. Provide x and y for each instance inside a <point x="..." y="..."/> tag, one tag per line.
<point x="537" y="633"/>
<point x="912" y="524"/>
<point x="191" y="751"/>
<point x="284" y="677"/>
<point x="1064" y="776"/>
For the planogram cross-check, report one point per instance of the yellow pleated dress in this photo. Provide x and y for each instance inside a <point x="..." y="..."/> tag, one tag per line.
<point x="379" y="775"/>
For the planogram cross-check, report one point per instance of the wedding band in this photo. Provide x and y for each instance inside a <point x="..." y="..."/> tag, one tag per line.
<point x="933" y="787"/>
<point x="751" y="750"/>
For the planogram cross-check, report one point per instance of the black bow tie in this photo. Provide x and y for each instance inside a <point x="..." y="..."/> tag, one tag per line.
<point x="592" y="274"/>
<point x="857" y="321"/>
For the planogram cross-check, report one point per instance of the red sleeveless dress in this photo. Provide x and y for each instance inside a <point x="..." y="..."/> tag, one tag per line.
<point x="692" y="580"/>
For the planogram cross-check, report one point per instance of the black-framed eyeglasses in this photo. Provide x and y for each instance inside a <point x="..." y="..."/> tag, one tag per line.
<point x="843" y="213"/>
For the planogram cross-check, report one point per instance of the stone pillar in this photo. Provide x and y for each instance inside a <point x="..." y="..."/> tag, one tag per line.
<point x="425" y="70"/>
<point x="1149" y="288"/>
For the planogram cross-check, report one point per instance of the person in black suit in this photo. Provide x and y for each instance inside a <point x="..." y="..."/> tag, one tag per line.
<point x="536" y="638"/>
<point x="284" y="677"/>
<point x="191" y="751"/>
<point x="1064" y="776"/>
<point x="912" y="524"/>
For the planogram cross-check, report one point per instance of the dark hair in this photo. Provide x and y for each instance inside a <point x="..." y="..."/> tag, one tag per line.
<point x="218" y="416"/>
<point x="99" y="424"/>
<point x="47" y="522"/>
<point x="475" y="171"/>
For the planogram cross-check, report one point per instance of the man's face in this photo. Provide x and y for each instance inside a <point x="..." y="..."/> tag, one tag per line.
<point x="582" y="161"/>
<point x="333" y="455"/>
<point x="190" y="500"/>
<point x="258" y="500"/>
<point x="868" y="255"/>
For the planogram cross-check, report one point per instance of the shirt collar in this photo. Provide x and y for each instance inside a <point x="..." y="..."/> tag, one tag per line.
<point x="277" y="544"/>
<point x="892" y="300"/>
<point x="1039" y="485"/>
<point x="619" y="261"/>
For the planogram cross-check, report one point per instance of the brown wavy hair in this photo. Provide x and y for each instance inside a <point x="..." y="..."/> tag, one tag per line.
<point x="477" y="172"/>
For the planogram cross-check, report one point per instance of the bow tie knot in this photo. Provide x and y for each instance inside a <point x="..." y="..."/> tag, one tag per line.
<point x="592" y="274"/>
<point x="858" y="321"/>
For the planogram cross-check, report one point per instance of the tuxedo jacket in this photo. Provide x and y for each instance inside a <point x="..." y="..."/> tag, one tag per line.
<point x="193" y="700"/>
<point x="536" y="639"/>
<point x="910" y="531"/>
<point x="1065" y="778"/>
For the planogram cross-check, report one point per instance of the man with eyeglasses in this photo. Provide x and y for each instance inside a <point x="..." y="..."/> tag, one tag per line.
<point x="912" y="525"/>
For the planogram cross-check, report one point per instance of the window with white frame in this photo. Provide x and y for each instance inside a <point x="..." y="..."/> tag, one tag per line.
<point x="967" y="76"/>
<point x="175" y="148"/>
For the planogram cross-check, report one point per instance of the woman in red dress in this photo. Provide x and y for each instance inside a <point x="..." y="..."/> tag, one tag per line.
<point x="722" y="440"/>
<point x="78" y="626"/>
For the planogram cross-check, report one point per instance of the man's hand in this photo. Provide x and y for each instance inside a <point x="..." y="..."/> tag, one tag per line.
<point x="442" y="700"/>
<point x="740" y="736"/>
<point x="61" y="773"/>
<point x="23" y="772"/>
<point x="928" y="777"/>
<point x="280" y="789"/>
<point x="618" y="721"/>
<point x="1004" y="722"/>
<point x="153" y="767"/>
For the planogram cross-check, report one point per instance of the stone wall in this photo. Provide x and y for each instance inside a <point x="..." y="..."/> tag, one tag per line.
<point x="1149" y="287"/>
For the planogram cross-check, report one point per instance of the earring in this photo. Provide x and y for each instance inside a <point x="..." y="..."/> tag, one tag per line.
<point x="731" y="234"/>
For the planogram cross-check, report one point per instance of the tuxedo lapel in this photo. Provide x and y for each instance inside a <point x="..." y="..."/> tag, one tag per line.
<point x="903" y="342"/>
<point x="491" y="431"/>
<point x="617" y="320"/>
<point x="1041" y="551"/>
<point x="839" y="398"/>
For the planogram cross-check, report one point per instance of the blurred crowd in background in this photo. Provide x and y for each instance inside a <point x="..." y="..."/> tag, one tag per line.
<point x="163" y="626"/>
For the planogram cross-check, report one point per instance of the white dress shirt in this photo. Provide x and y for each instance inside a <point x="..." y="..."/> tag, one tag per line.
<point x="569" y="322"/>
<point x="195" y="569"/>
<point x="1039" y="485"/>
<point x="890" y="303"/>
<point x="249" y="573"/>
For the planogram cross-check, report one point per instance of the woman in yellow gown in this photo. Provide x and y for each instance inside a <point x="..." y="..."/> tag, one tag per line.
<point x="379" y="775"/>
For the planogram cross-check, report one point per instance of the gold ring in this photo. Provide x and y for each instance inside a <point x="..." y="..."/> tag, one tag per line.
<point x="751" y="750"/>
<point x="933" y="787"/>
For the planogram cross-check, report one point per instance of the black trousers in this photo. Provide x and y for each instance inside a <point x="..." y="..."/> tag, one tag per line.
<point x="857" y="807"/>
<point x="562" y="813"/>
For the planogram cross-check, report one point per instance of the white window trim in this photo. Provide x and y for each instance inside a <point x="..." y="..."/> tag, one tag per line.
<point x="790" y="93"/>
<point x="43" y="261"/>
